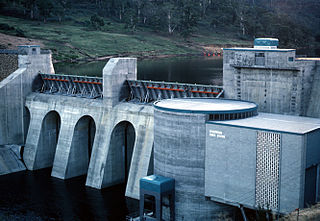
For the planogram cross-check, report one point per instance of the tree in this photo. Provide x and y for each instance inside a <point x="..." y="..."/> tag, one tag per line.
<point x="96" y="22"/>
<point x="189" y="17"/>
<point x="171" y="11"/>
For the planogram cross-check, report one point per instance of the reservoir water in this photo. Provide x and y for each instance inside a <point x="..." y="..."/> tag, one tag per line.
<point x="200" y="70"/>
<point x="35" y="195"/>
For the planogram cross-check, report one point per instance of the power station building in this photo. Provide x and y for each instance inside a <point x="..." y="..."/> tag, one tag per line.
<point x="223" y="153"/>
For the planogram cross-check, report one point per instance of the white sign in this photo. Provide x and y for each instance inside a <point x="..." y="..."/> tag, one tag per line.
<point x="217" y="134"/>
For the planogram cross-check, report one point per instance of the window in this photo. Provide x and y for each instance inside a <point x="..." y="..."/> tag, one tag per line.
<point x="259" y="59"/>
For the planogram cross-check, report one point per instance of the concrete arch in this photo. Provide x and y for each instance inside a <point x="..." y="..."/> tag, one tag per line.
<point x="48" y="139"/>
<point x="26" y="122"/>
<point x="81" y="147"/>
<point x="121" y="147"/>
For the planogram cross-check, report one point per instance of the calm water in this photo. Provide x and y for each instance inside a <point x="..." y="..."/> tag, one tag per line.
<point x="201" y="70"/>
<point x="38" y="196"/>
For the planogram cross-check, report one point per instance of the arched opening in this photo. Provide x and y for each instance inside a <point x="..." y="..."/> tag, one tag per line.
<point x="81" y="147"/>
<point x="48" y="140"/>
<point x="26" y="123"/>
<point x="120" y="151"/>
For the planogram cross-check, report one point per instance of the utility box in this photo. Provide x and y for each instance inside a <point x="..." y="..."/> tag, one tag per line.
<point x="267" y="161"/>
<point x="158" y="187"/>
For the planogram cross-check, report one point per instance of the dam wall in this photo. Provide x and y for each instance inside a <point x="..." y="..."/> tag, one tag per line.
<point x="60" y="136"/>
<point x="314" y="104"/>
<point x="13" y="91"/>
<point x="109" y="140"/>
<point x="272" y="78"/>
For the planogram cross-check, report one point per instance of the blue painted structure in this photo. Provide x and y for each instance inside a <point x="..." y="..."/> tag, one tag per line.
<point x="266" y="42"/>
<point x="158" y="187"/>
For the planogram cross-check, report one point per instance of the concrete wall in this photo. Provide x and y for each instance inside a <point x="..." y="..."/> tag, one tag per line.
<point x="179" y="153"/>
<point x="115" y="75"/>
<point x="279" y="86"/>
<point x="101" y="169"/>
<point x="110" y="117"/>
<point x="313" y="150"/>
<point x="292" y="172"/>
<point x="231" y="167"/>
<point x="13" y="91"/>
<point x="71" y="155"/>
<point x="314" y="104"/>
<point x="48" y="138"/>
<point x="81" y="147"/>
<point x="227" y="162"/>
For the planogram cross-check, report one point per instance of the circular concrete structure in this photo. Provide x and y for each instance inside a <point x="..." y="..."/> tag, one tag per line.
<point x="206" y="105"/>
<point x="179" y="151"/>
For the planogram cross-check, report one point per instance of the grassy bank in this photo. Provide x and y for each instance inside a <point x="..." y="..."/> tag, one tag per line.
<point x="73" y="41"/>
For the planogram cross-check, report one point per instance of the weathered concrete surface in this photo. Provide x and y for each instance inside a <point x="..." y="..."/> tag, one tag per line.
<point x="179" y="153"/>
<point x="13" y="90"/>
<point x="314" y="102"/>
<point x="61" y="139"/>
<point x="10" y="160"/>
<point x="104" y="168"/>
<point x="69" y="110"/>
<point x="281" y="85"/>
<point x="115" y="74"/>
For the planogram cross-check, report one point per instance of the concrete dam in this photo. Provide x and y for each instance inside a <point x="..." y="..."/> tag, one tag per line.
<point x="109" y="129"/>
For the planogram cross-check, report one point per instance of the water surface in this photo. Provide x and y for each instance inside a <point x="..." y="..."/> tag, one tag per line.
<point x="201" y="70"/>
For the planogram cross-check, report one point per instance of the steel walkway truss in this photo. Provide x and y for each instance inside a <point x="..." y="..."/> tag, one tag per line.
<point x="71" y="85"/>
<point x="148" y="91"/>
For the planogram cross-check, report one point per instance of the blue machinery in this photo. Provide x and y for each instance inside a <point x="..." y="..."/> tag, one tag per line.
<point x="140" y="90"/>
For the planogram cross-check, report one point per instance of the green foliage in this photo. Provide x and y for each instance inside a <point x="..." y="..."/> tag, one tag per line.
<point x="96" y="21"/>
<point x="294" y="22"/>
<point x="189" y="17"/>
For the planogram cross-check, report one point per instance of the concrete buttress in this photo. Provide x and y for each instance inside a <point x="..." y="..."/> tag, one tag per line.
<point x="108" y="139"/>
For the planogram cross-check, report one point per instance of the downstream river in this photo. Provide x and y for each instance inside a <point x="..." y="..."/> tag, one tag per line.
<point x="36" y="195"/>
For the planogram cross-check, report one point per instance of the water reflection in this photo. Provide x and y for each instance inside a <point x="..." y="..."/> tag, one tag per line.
<point x="38" y="196"/>
<point x="201" y="70"/>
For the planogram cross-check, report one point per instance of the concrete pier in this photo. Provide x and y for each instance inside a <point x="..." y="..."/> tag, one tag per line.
<point x="14" y="89"/>
<point x="109" y="140"/>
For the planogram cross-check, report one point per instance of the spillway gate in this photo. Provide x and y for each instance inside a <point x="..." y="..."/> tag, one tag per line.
<point x="140" y="90"/>
<point x="148" y="91"/>
<point x="71" y="85"/>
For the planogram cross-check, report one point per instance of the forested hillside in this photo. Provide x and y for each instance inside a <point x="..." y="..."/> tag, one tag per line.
<point x="295" y="22"/>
